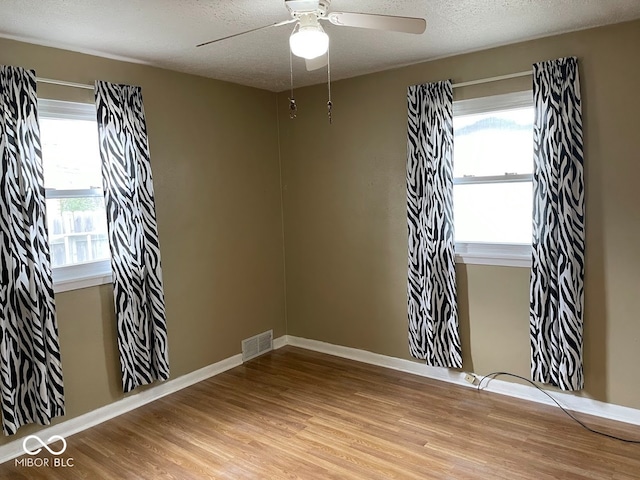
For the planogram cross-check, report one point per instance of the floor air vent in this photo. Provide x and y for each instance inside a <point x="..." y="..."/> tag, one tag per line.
<point x="257" y="345"/>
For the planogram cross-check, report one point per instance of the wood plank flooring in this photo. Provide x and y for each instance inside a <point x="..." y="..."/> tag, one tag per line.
<point x="295" y="414"/>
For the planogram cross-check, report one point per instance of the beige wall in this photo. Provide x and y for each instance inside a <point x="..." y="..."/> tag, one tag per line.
<point x="214" y="155"/>
<point x="214" y="151"/>
<point x="345" y="217"/>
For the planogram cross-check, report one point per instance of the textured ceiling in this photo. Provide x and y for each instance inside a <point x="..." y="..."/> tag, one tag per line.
<point x="164" y="32"/>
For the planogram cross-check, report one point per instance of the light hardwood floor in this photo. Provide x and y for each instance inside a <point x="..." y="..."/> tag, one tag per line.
<point x="295" y="414"/>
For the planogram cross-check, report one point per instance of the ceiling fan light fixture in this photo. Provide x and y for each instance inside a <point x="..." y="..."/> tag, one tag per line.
<point x="309" y="40"/>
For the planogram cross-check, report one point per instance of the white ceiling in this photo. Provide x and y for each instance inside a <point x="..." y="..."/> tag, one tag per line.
<point x="164" y="32"/>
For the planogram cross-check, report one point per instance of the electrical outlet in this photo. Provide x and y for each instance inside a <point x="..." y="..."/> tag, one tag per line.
<point x="471" y="378"/>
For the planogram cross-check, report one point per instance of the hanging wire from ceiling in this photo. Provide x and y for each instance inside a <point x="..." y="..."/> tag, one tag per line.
<point x="329" y="103"/>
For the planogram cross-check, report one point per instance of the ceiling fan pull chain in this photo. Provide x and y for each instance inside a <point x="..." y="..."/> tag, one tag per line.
<point x="329" y="104"/>
<point x="293" y="107"/>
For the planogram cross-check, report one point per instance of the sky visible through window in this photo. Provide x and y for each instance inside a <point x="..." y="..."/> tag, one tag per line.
<point x="70" y="154"/>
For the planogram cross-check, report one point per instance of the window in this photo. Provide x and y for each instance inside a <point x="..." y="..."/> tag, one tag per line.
<point x="493" y="170"/>
<point x="76" y="217"/>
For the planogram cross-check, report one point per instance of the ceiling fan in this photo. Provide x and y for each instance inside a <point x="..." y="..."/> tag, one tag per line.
<point x="308" y="39"/>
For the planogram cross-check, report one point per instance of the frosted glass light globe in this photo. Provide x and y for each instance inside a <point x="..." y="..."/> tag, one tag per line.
<point x="309" y="42"/>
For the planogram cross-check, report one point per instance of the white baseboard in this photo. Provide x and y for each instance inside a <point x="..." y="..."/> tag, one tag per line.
<point x="65" y="429"/>
<point x="280" y="342"/>
<point x="527" y="392"/>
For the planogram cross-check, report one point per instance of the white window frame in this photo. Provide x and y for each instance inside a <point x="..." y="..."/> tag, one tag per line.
<point x="481" y="253"/>
<point x="89" y="274"/>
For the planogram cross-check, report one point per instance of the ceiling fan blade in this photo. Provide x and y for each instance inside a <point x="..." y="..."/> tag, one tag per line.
<point x="278" y="24"/>
<point x="378" y="22"/>
<point x="318" y="62"/>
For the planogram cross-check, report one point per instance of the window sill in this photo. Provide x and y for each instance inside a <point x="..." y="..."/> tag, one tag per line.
<point x="495" y="260"/>
<point x="68" y="285"/>
<point x="502" y="255"/>
<point x="84" y="275"/>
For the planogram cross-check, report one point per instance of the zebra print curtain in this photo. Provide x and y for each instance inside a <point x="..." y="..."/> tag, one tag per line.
<point x="30" y="365"/>
<point x="133" y="235"/>
<point x="432" y="307"/>
<point x="557" y="269"/>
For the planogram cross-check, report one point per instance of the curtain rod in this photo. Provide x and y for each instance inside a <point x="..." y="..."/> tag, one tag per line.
<point x="493" y="79"/>
<point x="64" y="83"/>
<point x="455" y="85"/>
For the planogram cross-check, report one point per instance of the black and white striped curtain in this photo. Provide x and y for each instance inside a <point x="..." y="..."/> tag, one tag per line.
<point x="133" y="235"/>
<point x="557" y="269"/>
<point x="432" y="308"/>
<point x="30" y="365"/>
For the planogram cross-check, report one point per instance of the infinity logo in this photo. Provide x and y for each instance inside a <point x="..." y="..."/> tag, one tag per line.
<point x="54" y="438"/>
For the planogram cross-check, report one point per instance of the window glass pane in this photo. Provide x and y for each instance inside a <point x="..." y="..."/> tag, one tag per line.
<point x="493" y="212"/>
<point x="77" y="230"/>
<point x="493" y="143"/>
<point x="70" y="154"/>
